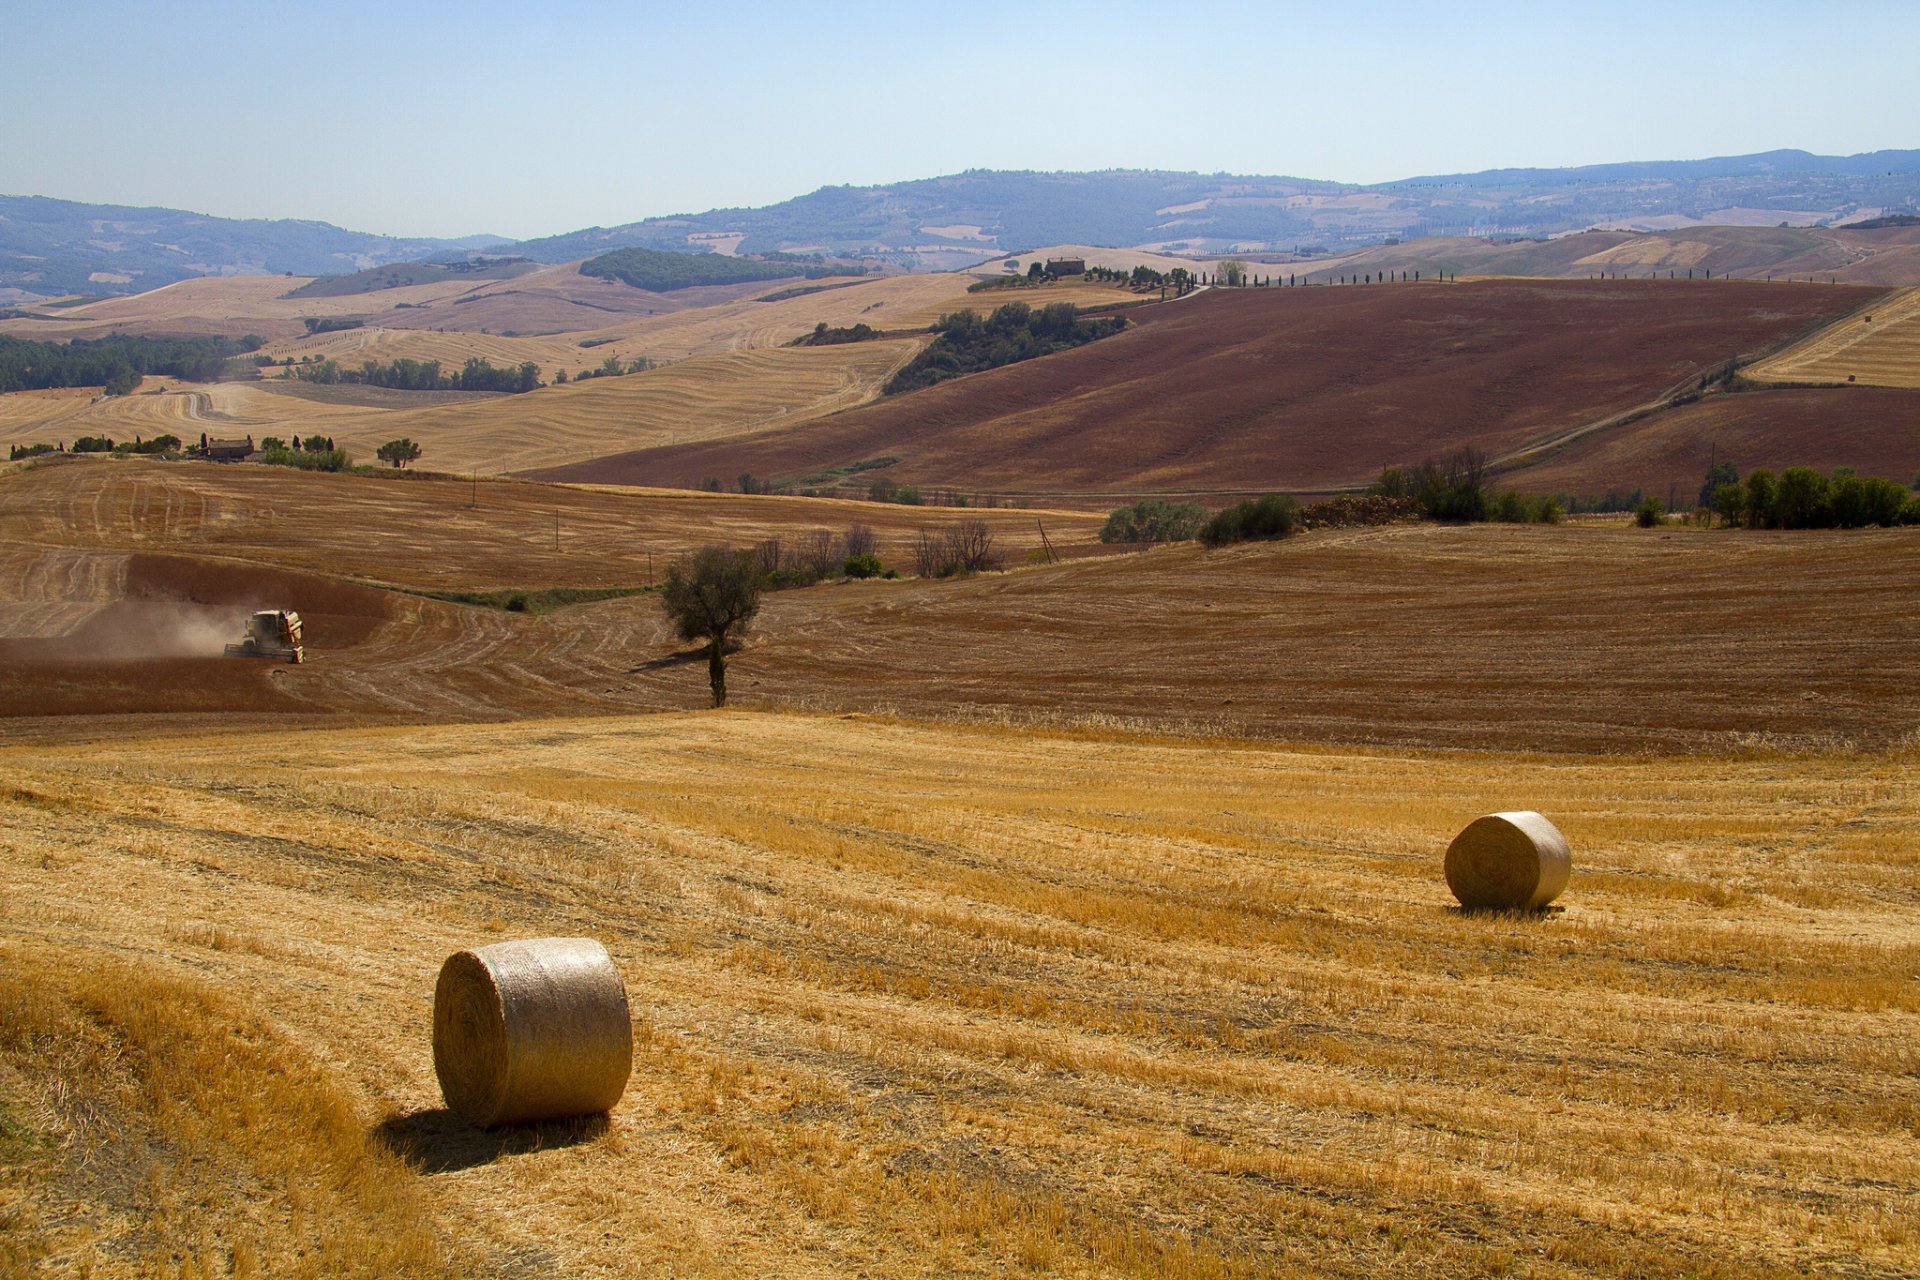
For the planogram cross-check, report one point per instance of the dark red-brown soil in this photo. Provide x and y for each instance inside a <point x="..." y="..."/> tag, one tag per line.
<point x="1296" y="389"/>
<point x="1874" y="430"/>
<point x="1563" y="639"/>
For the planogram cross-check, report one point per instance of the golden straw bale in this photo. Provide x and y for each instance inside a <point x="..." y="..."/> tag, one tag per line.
<point x="1518" y="861"/>
<point x="531" y="1030"/>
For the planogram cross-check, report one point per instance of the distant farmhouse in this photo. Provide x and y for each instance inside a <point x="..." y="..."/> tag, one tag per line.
<point x="226" y="450"/>
<point x="1058" y="267"/>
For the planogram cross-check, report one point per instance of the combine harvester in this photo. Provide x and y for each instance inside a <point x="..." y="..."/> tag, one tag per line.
<point x="271" y="633"/>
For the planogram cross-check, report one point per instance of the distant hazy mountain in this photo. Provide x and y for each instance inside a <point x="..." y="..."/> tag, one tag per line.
<point x="974" y="215"/>
<point x="55" y="246"/>
<point x="50" y="247"/>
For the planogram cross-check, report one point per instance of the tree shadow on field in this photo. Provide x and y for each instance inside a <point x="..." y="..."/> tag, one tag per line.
<point x="438" y="1141"/>
<point x="671" y="660"/>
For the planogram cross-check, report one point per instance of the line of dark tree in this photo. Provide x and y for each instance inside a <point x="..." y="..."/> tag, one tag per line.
<point x="478" y="374"/>
<point x="1012" y="333"/>
<point x="822" y="336"/>
<point x="1458" y="488"/>
<point x="659" y="272"/>
<point x="611" y="367"/>
<point x="315" y="453"/>
<point x="331" y="324"/>
<point x="1802" y="498"/>
<point x="116" y="363"/>
<point x="159" y="446"/>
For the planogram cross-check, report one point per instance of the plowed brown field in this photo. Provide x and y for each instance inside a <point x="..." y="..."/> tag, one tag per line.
<point x="1300" y="389"/>
<point x="1558" y="638"/>
<point x="1873" y="430"/>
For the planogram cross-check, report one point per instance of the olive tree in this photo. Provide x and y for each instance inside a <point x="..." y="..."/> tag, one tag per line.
<point x="713" y="596"/>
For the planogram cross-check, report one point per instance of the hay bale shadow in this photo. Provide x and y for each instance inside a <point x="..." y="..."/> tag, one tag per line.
<point x="1547" y="912"/>
<point x="439" y="1141"/>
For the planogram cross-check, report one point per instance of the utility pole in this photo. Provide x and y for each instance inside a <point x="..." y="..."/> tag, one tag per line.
<point x="1053" y="557"/>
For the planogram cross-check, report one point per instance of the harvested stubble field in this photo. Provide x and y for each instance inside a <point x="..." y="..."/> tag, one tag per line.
<point x="436" y="532"/>
<point x="1878" y="348"/>
<point x="914" y="1000"/>
<point x="699" y="399"/>
<point x="726" y="371"/>
<point x="1293" y="389"/>
<point x="1567" y="638"/>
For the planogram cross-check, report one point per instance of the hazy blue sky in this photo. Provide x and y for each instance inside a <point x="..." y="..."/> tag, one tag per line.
<point x="529" y="119"/>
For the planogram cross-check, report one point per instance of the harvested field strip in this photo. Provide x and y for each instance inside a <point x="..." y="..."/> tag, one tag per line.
<point x="1015" y="1003"/>
<point x="459" y="535"/>
<point x="167" y="1127"/>
<point x="700" y="399"/>
<point x="1878" y="348"/>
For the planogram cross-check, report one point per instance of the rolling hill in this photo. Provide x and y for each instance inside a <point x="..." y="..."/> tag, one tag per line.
<point x="949" y="221"/>
<point x="1237" y="390"/>
<point x="52" y="247"/>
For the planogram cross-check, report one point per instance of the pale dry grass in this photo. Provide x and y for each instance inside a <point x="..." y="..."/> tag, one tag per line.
<point x="914" y="1000"/>
<point x="706" y="398"/>
<point x="157" y="1127"/>
<point x="1880" y="348"/>
<point x="726" y="367"/>
<point x="455" y="533"/>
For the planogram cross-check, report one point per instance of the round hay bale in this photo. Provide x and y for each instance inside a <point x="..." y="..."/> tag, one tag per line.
<point x="1517" y="861"/>
<point x="531" y="1030"/>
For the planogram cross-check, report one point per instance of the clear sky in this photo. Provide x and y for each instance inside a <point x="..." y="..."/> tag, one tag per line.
<point x="535" y="118"/>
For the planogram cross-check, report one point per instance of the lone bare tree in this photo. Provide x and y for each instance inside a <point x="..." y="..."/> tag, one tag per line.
<point x="712" y="597"/>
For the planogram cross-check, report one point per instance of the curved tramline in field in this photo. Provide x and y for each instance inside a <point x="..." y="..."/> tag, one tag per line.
<point x="1304" y="388"/>
<point x="1023" y="1003"/>
<point x="1336" y="635"/>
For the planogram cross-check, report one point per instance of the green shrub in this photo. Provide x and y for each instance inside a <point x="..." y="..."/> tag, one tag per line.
<point x="275" y="454"/>
<point x="1271" y="517"/>
<point x="1803" y="499"/>
<point x="1649" y="513"/>
<point x="866" y="565"/>
<point x="1155" y="521"/>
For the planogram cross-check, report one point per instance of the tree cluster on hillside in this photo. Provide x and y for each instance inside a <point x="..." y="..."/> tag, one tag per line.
<point x="822" y="336"/>
<point x="398" y="452"/>
<point x="1802" y="498"/>
<point x="1154" y="521"/>
<point x="1267" y="518"/>
<point x="1013" y="332"/>
<point x="660" y="272"/>
<point x="966" y="547"/>
<point x="115" y="363"/>
<point x="1458" y="488"/>
<point x="314" y="454"/>
<point x="477" y="374"/>
<point x="611" y="367"/>
<point x="331" y="324"/>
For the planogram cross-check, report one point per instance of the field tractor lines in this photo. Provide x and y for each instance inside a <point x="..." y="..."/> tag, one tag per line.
<point x="912" y="999"/>
<point x="1878" y="346"/>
